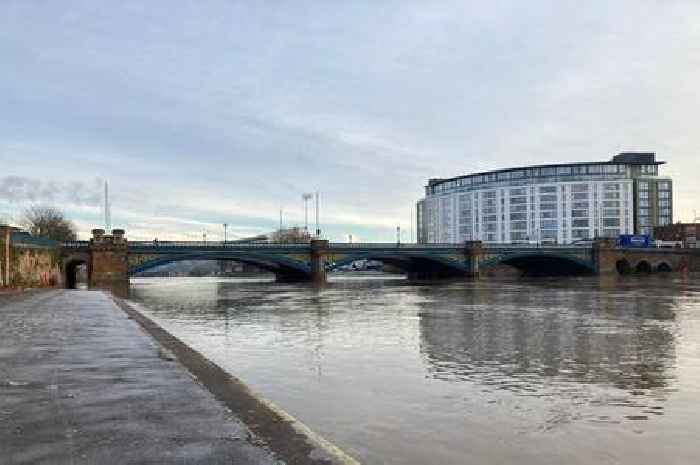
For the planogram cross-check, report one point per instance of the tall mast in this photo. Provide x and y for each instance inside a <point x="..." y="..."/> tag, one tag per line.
<point x="108" y="215"/>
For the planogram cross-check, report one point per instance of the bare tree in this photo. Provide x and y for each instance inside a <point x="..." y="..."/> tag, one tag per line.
<point x="49" y="222"/>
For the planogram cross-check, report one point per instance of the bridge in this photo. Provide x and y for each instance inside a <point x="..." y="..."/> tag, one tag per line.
<point x="111" y="259"/>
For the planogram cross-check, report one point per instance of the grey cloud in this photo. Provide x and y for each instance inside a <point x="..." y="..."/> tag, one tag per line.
<point x="19" y="189"/>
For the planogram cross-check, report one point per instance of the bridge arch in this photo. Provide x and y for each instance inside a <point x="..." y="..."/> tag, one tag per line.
<point x="416" y="265"/>
<point x="663" y="267"/>
<point x="541" y="264"/>
<point x="283" y="267"/>
<point x="71" y="264"/>
<point x="623" y="267"/>
<point x="643" y="267"/>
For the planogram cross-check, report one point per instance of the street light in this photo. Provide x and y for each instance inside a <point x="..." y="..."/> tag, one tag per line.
<point x="318" y="227"/>
<point x="225" y="237"/>
<point x="306" y="197"/>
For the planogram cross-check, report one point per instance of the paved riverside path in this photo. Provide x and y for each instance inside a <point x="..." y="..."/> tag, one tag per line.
<point x="81" y="383"/>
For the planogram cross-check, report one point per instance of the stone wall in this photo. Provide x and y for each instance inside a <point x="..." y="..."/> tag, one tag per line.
<point x="26" y="261"/>
<point x="5" y="232"/>
<point x="35" y="267"/>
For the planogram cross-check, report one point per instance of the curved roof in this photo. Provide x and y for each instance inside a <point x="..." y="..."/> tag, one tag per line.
<point x="623" y="158"/>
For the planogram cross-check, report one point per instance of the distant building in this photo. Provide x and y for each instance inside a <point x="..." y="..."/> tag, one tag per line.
<point x="294" y="235"/>
<point x="560" y="203"/>
<point x="687" y="233"/>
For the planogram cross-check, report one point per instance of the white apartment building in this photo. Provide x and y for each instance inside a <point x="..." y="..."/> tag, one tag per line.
<point x="560" y="203"/>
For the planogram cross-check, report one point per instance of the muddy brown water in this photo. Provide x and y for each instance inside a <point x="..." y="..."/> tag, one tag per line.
<point x="539" y="371"/>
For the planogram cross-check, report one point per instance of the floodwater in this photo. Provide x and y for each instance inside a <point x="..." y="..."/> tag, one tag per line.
<point x="540" y="371"/>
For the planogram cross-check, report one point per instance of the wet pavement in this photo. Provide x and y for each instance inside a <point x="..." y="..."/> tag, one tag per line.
<point x="81" y="383"/>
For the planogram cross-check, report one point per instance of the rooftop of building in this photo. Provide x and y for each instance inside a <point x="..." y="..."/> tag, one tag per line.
<point x="622" y="158"/>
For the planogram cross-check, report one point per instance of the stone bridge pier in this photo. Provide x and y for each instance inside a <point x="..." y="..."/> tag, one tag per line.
<point x="319" y="248"/>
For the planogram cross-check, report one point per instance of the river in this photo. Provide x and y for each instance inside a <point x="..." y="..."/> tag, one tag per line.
<point x="581" y="370"/>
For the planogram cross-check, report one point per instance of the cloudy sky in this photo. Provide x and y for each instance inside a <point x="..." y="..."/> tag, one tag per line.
<point x="205" y="112"/>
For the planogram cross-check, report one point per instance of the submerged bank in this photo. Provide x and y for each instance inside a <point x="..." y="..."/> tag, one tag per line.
<point x="80" y="383"/>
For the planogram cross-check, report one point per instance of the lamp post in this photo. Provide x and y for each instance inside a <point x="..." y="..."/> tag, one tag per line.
<point x="306" y="197"/>
<point x="225" y="235"/>
<point x="318" y="227"/>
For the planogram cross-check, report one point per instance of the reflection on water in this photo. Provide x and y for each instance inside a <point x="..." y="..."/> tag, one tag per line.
<point x="582" y="370"/>
<point x="541" y="343"/>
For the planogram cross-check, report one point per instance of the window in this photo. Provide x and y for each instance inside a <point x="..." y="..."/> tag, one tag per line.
<point x="643" y="186"/>
<point x="594" y="169"/>
<point x="564" y="170"/>
<point x="664" y="194"/>
<point x="518" y="200"/>
<point x="518" y="208"/>
<point x="611" y="222"/>
<point x="518" y="226"/>
<point x="611" y="232"/>
<point x="580" y="196"/>
<point x="546" y="215"/>
<point x="548" y="198"/>
<point x="610" y="169"/>
<point x="664" y="186"/>
<point x="579" y="213"/>
<point x="549" y="234"/>
<point x="548" y="206"/>
<point x="488" y="195"/>
<point x="577" y="205"/>
<point x="547" y="171"/>
<point x="643" y="194"/>
<point x="664" y="203"/>
<point x="580" y="234"/>
<point x="504" y="176"/>
<point x="518" y="192"/>
<point x="611" y="195"/>
<point x="518" y="216"/>
<point x="517" y="174"/>
<point x="612" y="187"/>
<point x="489" y="218"/>
<point x="579" y="188"/>
<point x="548" y="224"/>
<point x="611" y="212"/>
<point x="579" y="223"/>
<point x="548" y="189"/>
<point x="611" y="204"/>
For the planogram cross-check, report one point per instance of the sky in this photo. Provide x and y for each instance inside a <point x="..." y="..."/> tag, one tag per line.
<point x="204" y="112"/>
